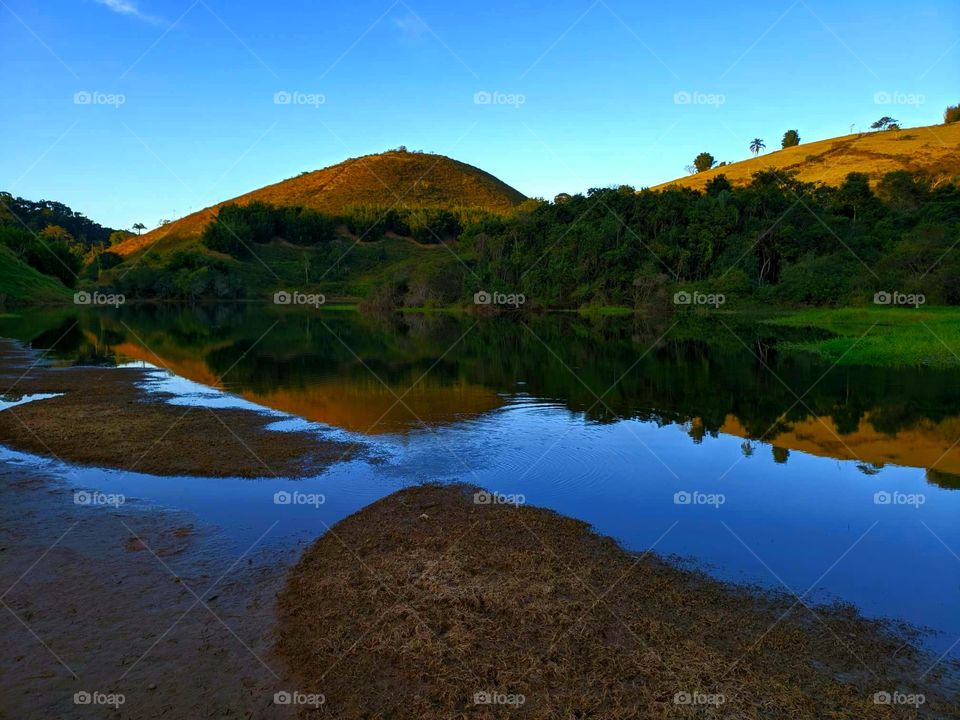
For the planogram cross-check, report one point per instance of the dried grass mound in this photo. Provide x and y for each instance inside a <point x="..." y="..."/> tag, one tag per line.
<point x="428" y="605"/>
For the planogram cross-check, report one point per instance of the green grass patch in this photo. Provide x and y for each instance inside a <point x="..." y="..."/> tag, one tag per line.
<point x="20" y="284"/>
<point x="881" y="336"/>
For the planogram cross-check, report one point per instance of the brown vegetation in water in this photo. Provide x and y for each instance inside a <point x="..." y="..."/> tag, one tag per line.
<point x="103" y="418"/>
<point x="415" y="604"/>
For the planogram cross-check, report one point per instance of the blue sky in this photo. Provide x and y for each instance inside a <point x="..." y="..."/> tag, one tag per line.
<point x="581" y="93"/>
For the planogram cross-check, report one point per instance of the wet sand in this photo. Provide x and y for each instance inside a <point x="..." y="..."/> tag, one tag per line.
<point x="427" y="604"/>
<point x="105" y="419"/>
<point x="105" y="600"/>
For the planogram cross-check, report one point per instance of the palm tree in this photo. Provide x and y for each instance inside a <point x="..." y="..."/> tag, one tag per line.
<point x="139" y="226"/>
<point x="756" y="146"/>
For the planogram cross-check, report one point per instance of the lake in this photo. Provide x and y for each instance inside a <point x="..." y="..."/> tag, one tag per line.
<point x="694" y="436"/>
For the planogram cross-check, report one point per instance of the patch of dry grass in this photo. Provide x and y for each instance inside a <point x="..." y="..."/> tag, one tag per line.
<point x="410" y="607"/>
<point x="934" y="150"/>
<point x="401" y="179"/>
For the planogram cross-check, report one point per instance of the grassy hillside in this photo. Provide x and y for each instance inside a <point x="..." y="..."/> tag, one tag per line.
<point x="21" y="284"/>
<point x="394" y="178"/>
<point x="934" y="150"/>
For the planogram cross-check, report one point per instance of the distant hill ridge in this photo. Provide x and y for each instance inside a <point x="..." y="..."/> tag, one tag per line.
<point x="933" y="150"/>
<point x="394" y="178"/>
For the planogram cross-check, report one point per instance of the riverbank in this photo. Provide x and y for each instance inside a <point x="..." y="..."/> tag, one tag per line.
<point x="890" y="337"/>
<point x="103" y="416"/>
<point x="467" y="609"/>
<point x="138" y="604"/>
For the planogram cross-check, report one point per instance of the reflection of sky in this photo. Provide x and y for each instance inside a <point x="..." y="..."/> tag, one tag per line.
<point x="811" y="522"/>
<point x="9" y="401"/>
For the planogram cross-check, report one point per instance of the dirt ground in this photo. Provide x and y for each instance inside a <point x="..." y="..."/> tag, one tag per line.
<point x="103" y="600"/>
<point x="466" y="610"/>
<point x="103" y="418"/>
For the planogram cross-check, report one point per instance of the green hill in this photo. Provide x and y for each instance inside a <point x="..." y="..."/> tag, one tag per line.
<point x="391" y="179"/>
<point x="21" y="284"/>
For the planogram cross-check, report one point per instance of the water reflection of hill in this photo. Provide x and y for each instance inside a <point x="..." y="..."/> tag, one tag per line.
<point x="333" y="367"/>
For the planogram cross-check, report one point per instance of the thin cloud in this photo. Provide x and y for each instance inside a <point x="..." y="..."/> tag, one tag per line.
<point x="129" y="8"/>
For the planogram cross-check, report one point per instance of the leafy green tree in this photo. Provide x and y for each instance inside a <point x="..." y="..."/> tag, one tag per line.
<point x="791" y="138"/>
<point x="704" y="161"/>
<point x="951" y="114"/>
<point x="756" y="145"/>
<point x="139" y="227"/>
<point x="883" y="123"/>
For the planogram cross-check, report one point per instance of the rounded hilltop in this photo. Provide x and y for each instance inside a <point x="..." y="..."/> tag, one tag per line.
<point x="395" y="178"/>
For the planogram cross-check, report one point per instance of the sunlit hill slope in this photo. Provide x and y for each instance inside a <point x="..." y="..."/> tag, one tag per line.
<point x="933" y="150"/>
<point x="392" y="179"/>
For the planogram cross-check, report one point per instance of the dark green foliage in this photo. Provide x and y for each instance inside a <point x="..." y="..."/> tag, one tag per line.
<point x="791" y="138"/>
<point x="704" y="161"/>
<point x="54" y="258"/>
<point x="35" y="216"/>
<point x="951" y="114"/>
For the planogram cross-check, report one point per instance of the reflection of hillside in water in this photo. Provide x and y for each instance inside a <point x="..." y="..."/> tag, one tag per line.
<point x="346" y="370"/>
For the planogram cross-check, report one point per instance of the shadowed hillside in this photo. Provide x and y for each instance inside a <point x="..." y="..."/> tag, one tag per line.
<point x="932" y="150"/>
<point x="396" y="178"/>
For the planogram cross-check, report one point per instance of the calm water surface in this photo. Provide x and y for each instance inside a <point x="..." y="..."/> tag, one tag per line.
<point x="698" y="438"/>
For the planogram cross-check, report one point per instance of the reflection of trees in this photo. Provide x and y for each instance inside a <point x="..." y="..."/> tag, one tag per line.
<point x="700" y="371"/>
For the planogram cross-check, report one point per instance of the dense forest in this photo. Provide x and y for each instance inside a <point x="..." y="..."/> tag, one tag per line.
<point x="774" y="240"/>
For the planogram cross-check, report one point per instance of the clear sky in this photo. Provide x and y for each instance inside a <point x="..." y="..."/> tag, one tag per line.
<point x="582" y="93"/>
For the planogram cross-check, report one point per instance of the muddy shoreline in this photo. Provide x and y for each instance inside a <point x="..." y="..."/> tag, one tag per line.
<point x="102" y="416"/>
<point x="104" y="601"/>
